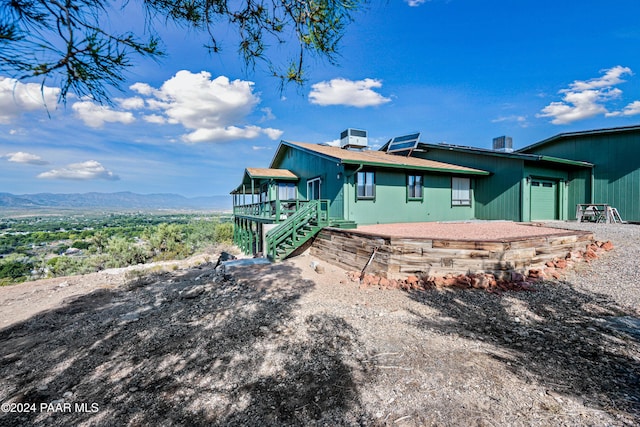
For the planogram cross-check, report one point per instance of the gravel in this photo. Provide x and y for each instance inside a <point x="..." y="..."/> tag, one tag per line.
<point x="459" y="230"/>
<point x="284" y="344"/>
<point x="617" y="274"/>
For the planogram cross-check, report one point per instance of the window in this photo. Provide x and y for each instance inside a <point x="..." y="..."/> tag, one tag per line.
<point x="460" y="191"/>
<point x="414" y="187"/>
<point x="287" y="191"/>
<point x="313" y="189"/>
<point x="263" y="193"/>
<point x="366" y="185"/>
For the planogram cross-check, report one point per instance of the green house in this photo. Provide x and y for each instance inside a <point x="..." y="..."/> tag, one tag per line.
<point x="311" y="186"/>
<point x="615" y="155"/>
<point x="521" y="187"/>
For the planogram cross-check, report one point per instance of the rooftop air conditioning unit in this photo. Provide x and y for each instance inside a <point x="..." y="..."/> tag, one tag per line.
<point x="503" y="144"/>
<point x="353" y="138"/>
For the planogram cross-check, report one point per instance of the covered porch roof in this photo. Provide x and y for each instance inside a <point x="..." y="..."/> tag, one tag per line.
<point x="252" y="176"/>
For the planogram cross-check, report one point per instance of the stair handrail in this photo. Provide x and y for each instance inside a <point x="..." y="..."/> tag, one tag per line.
<point x="315" y="211"/>
<point x="287" y="228"/>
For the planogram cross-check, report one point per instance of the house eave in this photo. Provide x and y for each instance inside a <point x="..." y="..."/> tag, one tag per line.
<point x="466" y="171"/>
<point x="565" y="135"/>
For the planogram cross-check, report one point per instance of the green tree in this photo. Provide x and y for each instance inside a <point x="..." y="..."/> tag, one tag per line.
<point x="99" y="241"/>
<point x="15" y="270"/>
<point x="224" y="233"/>
<point x="123" y="252"/>
<point x="67" y="40"/>
<point x="167" y="242"/>
<point x="81" y="244"/>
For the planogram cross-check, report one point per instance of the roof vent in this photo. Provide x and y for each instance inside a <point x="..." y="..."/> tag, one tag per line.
<point x="503" y="143"/>
<point x="353" y="138"/>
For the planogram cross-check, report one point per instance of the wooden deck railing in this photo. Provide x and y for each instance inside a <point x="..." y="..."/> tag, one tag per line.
<point x="276" y="210"/>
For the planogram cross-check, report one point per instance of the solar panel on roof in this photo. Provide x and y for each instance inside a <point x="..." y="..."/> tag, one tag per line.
<point x="404" y="142"/>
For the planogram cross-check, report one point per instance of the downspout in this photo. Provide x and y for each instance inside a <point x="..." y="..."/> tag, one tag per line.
<point x="593" y="184"/>
<point x="356" y="171"/>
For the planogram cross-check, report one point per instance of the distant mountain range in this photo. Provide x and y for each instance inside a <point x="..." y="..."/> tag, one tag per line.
<point x="121" y="200"/>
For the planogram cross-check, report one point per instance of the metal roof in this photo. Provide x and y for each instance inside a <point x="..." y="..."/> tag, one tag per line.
<point x="510" y="155"/>
<point x="560" y="136"/>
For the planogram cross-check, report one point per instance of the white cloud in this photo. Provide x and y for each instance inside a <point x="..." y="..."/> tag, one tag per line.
<point x="415" y="3"/>
<point x="27" y="158"/>
<point x="213" y="109"/>
<point x="154" y="118"/>
<point x="268" y="114"/>
<point x="341" y="91"/>
<point x="520" y="120"/>
<point x="611" y="77"/>
<point x="142" y="88"/>
<point x="90" y="169"/>
<point x="273" y="133"/>
<point x="632" y="109"/>
<point x="96" y="116"/>
<point x="230" y="133"/>
<point x="133" y="103"/>
<point x="17" y="98"/>
<point x="586" y="99"/>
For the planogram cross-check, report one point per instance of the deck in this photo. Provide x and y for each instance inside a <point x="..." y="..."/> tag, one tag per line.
<point x="496" y="247"/>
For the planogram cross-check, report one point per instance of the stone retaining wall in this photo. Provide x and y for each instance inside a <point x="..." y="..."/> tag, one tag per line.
<point x="398" y="257"/>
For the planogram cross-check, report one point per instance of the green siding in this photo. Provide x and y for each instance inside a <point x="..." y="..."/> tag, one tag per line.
<point x="616" y="171"/>
<point x="497" y="196"/>
<point x="391" y="204"/>
<point x="307" y="166"/>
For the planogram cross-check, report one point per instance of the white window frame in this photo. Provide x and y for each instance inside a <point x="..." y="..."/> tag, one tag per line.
<point x="311" y="183"/>
<point x="287" y="189"/>
<point x="417" y="186"/>
<point x="460" y="191"/>
<point x="366" y="180"/>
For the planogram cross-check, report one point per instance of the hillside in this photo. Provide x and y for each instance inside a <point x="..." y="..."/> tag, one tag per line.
<point x="287" y="344"/>
<point x="119" y="201"/>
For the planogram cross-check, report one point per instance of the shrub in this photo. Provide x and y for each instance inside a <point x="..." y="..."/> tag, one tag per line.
<point x="123" y="252"/>
<point x="67" y="266"/>
<point x="224" y="233"/>
<point x="167" y="242"/>
<point x="15" y="269"/>
<point x="81" y="244"/>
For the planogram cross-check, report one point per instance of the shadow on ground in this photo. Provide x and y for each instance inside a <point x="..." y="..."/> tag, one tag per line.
<point x="573" y="343"/>
<point x="184" y="349"/>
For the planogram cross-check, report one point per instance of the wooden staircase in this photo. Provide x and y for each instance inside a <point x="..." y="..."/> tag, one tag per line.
<point x="298" y="229"/>
<point x="342" y="223"/>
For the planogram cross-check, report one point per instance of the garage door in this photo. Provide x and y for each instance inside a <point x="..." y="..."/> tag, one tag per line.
<point x="544" y="199"/>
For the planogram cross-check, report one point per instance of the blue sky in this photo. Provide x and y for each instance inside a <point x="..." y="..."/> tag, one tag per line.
<point x="459" y="71"/>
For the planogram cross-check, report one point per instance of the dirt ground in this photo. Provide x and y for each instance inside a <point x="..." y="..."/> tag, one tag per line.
<point x="283" y="344"/>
